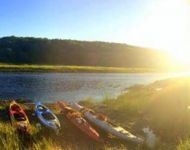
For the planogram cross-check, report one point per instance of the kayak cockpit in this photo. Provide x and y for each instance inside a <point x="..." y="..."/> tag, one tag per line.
<point x="19" y="117"/>
<point x="48" y="116"/>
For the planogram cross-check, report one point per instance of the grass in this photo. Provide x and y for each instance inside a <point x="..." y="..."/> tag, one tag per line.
<point x="65" y="68"/>
<point x="10" y="139"/>
<point x="69" y="137"/>
<point x="184" y="145"/>
<point x="163" y="106"/>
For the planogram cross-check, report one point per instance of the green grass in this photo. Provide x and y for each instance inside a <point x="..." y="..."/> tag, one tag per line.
<point x="164" y="106"/>
<point x="184" y="145"/>
<point x="10" y="139"/>
<point x="65" y="68"/>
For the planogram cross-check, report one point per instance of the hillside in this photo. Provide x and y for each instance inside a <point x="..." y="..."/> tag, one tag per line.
<point x="28" y="50"/>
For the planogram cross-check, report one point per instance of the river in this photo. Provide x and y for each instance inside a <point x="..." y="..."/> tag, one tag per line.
<point x="72" y="86"/>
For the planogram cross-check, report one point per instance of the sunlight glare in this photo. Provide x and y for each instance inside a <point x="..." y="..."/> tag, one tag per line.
<point x="166" y="27"/>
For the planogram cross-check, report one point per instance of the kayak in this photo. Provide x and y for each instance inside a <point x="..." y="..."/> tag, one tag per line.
<point x="101" y="122"/>
<point x="78" y="121"/>
<point x="18" y="117"/>
<point x="47" y="117"/>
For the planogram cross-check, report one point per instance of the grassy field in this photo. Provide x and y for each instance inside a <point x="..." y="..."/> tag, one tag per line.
<point x="62" y="68"/>
<point x="163" y="106"/>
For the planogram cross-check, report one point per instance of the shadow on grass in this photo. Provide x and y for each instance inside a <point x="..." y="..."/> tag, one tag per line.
<point x="4" y="114"/>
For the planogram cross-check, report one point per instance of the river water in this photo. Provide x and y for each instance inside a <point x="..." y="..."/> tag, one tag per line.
<point x="72" y="86"/>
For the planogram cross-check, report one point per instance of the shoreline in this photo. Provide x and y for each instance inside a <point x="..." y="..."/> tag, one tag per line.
<point x="143" y="106"/>
<point x="73" y="69"/>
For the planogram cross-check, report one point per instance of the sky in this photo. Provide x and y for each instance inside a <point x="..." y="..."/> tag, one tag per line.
<point x="162" y="24"/>
<point x="75" y="19"/>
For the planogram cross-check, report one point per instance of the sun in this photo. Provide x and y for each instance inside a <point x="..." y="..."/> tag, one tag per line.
<point x="179" y="43"/>
<point x="172" y="25"/>
<point x="167" y="27"/>
<point x="174" y="20"/>
<point x="181" y="58"/>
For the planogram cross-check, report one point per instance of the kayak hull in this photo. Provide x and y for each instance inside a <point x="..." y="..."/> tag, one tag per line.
<point x="117" y="131"/>
<point x="18" y="117"/>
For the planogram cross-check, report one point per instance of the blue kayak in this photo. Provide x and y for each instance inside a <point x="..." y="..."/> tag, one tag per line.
<point x="47" y="117"/>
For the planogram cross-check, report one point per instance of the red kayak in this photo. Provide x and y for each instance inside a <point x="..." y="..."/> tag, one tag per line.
<point x="78" y="121"/>
<point x="18" y="117"/>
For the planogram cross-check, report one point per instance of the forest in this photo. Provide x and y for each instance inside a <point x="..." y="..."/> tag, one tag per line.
<point x="30" y="50"/>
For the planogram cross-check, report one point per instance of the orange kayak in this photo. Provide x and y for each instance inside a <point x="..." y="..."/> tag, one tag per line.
<point x="78" y="121"/>
<point x="18" y="117"/>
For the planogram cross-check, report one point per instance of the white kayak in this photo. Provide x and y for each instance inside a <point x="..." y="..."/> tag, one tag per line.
<point x="117" y="131"/>
<point x="47" y="117"/>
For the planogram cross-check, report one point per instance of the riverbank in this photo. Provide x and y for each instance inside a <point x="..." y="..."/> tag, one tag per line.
<point x="65" y="68"/>
<point x="163" y="106"/>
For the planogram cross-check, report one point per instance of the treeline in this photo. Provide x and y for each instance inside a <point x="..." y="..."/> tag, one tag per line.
<point x="28" y="50"/>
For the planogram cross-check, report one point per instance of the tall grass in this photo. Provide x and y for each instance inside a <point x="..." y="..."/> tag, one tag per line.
<point x="184" y="145"/>
<point x="11" y="140"/>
